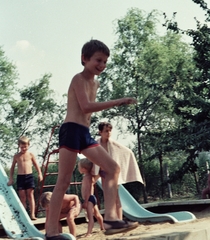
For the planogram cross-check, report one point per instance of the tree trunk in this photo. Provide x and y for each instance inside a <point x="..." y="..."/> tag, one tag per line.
<point x="161" y="174"/>
<point x="141" y="166"/>
<point x="167" y="177"/>
<point x="196" y="182"/>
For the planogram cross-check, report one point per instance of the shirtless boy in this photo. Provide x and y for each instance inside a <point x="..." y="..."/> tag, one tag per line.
<point x="25" y="180"/>
<point x="70" y="209"/>
<point x="90" y="201"/>
<point x="74" y="137"/>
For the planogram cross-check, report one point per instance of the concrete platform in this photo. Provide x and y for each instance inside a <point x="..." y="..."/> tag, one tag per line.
<point x="169" y="206"/>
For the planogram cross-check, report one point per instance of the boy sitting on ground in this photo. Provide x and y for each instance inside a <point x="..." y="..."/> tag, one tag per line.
<point x="70" y="209"/>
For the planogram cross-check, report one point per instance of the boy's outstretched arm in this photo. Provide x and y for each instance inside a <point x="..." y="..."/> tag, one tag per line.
<point x="89" y="105"/>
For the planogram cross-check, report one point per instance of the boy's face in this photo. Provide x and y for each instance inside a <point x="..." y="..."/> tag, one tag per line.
<point x="105" y="133"/>
<point x="23" y="147"/>
<point x="97" y="63"/>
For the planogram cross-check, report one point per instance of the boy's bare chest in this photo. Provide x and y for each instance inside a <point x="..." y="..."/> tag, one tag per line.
<point x="67" y="206"/>
<point x="91" y="90"/>
<point x="25" y="158"/>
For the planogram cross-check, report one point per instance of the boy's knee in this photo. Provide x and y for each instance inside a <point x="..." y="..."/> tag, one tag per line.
<point x="22" y="198"/>
<point x="114" y="170"/>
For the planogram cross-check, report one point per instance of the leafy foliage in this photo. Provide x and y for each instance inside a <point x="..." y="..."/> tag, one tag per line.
<point x="193" y="106"/>
<point x="30" y="111"/>
<point x="8" y="75"/>
<point x="154" y="69"/>
<point x="168" y="77"/>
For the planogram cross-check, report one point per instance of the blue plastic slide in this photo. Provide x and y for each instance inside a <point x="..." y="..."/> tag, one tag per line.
<point x="134" y="211"/>
<point x="13" y="216"/>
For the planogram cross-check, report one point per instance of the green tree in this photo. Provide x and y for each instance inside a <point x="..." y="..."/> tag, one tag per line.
<point x="8" y="75"/>
<point x="194" y="105"/>
<point x="149" y="67"/>
<point x="33" y="114"/>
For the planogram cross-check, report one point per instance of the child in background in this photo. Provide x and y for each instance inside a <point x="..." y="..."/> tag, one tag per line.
<point x="25" y="180"/>
<point x="129" y="170"/>
<point x="90" y="201"/>
<point x="70" y="209"/>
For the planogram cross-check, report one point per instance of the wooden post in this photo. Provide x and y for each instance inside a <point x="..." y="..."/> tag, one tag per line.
<point x="167" y="177"/>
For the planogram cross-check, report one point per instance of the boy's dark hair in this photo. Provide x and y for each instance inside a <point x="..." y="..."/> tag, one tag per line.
<point x="89" y="48"/>
<point x="101" y="125"/>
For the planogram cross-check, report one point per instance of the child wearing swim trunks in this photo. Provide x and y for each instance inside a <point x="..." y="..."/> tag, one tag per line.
<point x="74" y="137"/>
<point x="87" y="190"/>
<point x="25" y="180"/>
<point x="71" y="207"/>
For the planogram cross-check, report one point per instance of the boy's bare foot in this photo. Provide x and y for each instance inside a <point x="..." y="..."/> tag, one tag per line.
<point x="33" y="218"/>
<point x="88" y="235"/>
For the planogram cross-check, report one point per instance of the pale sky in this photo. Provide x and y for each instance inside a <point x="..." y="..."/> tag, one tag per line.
<point x="46" y="36"/>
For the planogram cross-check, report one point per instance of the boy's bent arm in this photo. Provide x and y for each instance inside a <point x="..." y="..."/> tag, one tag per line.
<point x="76" y="200"/>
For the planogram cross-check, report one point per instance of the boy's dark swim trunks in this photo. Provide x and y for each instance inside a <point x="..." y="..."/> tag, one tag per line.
<point x="25" y="181"/>
<point x="92" y="199"/>
<point x="75" y="137"/>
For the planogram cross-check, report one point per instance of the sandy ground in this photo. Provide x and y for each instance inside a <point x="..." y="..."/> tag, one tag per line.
<point x="201" y="216"/>
<point x="143" y="227"/>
